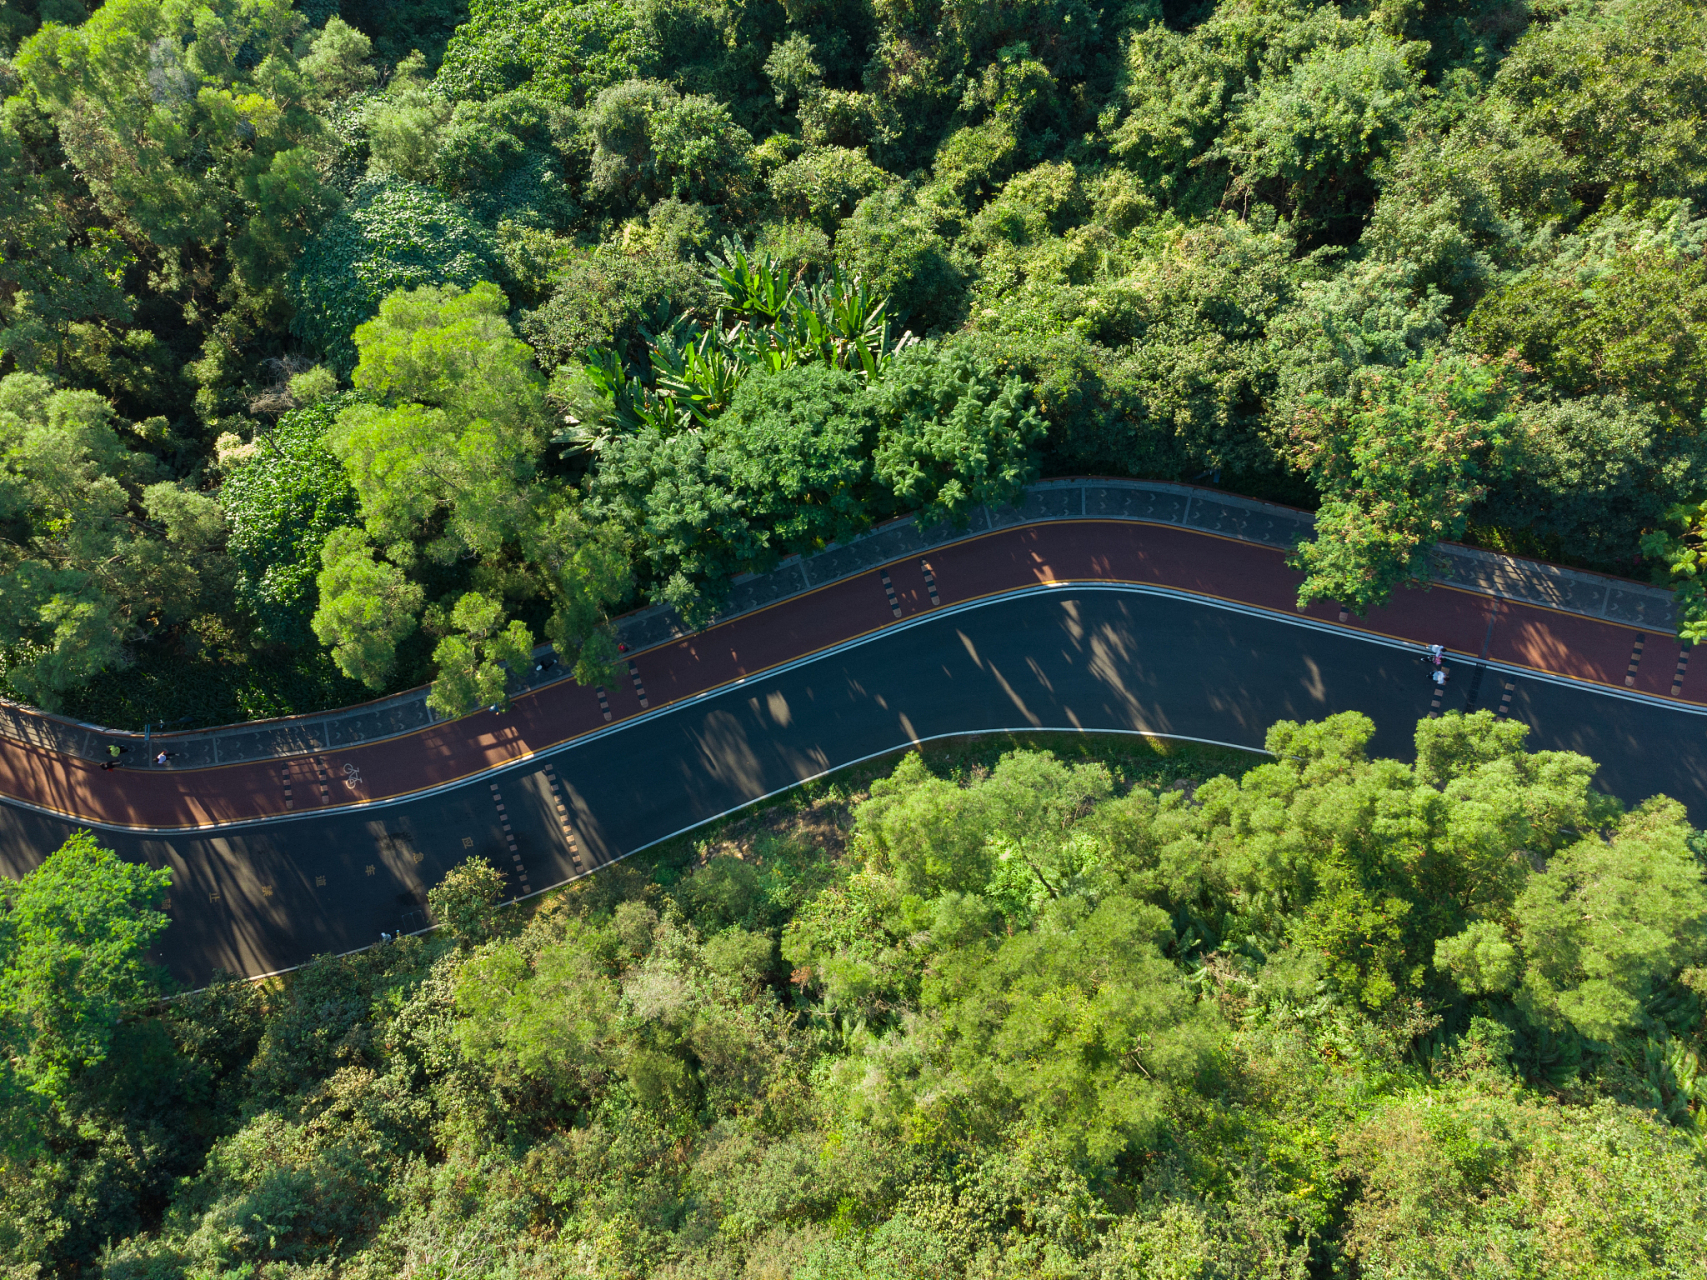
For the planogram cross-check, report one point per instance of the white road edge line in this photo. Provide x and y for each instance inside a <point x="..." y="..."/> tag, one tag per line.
<point x="748" y="804"/>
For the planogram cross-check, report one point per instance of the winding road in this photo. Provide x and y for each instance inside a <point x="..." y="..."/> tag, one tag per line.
<point x="1069" y="625"/>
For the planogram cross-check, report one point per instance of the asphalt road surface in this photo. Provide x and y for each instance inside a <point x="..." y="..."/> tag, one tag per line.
<point x="271" y="894"/>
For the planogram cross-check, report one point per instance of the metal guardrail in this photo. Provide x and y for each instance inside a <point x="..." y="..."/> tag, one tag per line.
<point x="1184" y="506"/>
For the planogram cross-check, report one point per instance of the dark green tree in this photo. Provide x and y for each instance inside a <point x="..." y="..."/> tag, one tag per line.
<point x="952" y="433"/>
<point x="284" y="494"/>
<point x="392" y="236"/>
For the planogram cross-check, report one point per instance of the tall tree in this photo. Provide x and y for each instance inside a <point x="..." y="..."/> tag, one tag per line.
<point x="74" y="936"/>
<point x="445" y="458"/>
<point x="97" y="548"/>
<point x="193" y="129"/>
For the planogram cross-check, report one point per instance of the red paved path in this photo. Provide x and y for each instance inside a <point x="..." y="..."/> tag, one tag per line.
<point x="1114" y="551"/>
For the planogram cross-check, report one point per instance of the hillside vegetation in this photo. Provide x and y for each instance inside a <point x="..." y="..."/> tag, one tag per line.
<point x="347" y="347"/>
<point x="995" y="1013"/>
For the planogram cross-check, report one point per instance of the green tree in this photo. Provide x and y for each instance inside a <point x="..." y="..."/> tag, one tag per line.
<point x="1480" y="960"/>
<point x="556" y="1019"/>
<point x="97" y="548"/>
<point x="1361" y="865"/>
<point x="74" y="936"/>
<point x="475" y="661"/>
<point x="1592" y="476"/>
<point x="457" y="420"/>
<point x="1319" y="129"/>
<point x="1680" y="545"/>
<point x="584" y="566"/>
<point x="284" y="494"/>
<point x="694" y="532"/>
<point x="464" y="902"/>
<point x="405" y="128"/>
<point x="22" y="18"/>
<point x="502" y="157"/>
<point x="601" y="298"/>
<point x="366" y="607"/>
<point x="445" y="459"/>
<point x="794" y="446"/>
<point x="401" y="28"/>
<point x="781" y="472"/>
<point x="824" y="184"/>
<point x="650" y="141"/>
<point x="1178" y="93"/>
<point x="392" y="235"/>
<point x="565" y="52"/>
<point x="1066" y="1036"/>
<point x="1581" y="84"/>
<point x="898" y="245"/>
<point x="1400" y="459"/>
<point x="61" y="266"/>
<point x="1620" y="308"/>
<point x="952" y="434"/>
<point x="192" y="128"/>
<point x="337" y="62"/>
<point x="1610" y="920"/>
<point x="1009" y="836"/>
<point x="1443" y="1172"/>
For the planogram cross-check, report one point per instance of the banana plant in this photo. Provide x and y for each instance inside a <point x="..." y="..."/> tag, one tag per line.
<point x="595" y="399"/>
<point x="756" y="284"/>
<point x="770" y="325"/>
<point x="699" y="374"/>
<point x="857" y="320"/>
<point x="601" y="400"/>
<point x="1675" y="1086"/>
<point x="762" y="348"/>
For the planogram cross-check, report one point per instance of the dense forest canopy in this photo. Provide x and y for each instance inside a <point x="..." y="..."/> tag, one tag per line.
<point x="348" y="346"/>
<point x="1000" y="1013"/>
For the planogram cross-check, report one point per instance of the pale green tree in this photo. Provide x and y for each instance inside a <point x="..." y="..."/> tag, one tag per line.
<point x="464" y="902"/>
<point x="338" y="59"/>
<point x="1068" y="1036"/>
<point x="445" y="459"/>
<point x="462" y="421"/>
<point x="367" y="605"/>
<point x="476" y="660"/>
<point x="1481" y="960"/>
<point x="1010" y="836"/>
<point x="1399" y="459"/>
<point x="585" y="565"/>
<point x="1609" y="920"/>
<point x="1597" y="934"/>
